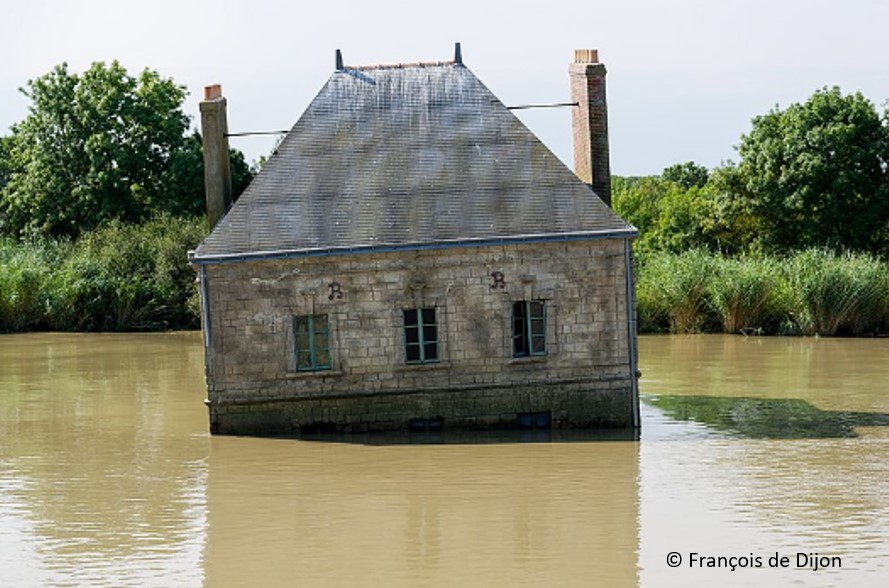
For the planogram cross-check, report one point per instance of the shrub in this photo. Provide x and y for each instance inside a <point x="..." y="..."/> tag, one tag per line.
<point x="120" y="277"/>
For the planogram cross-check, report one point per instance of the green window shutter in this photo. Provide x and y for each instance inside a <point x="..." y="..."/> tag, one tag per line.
<point x="312" y="342"/>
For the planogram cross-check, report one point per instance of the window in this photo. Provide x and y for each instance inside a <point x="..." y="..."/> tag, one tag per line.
<point x="528" y="328"/>
<point x="312" y="342"/>
<point x="420" y="335"/>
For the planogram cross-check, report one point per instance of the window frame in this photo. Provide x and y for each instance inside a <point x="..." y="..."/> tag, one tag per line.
<point x="531" y="328"/>
<point x="312" y="352"/>
<point x="420" y="324"/>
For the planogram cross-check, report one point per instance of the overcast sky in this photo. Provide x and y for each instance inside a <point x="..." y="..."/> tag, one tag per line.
<point x="684" y="77"/>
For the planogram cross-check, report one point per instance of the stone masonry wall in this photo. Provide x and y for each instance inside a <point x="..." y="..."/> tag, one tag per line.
<point x="584" y="380"/>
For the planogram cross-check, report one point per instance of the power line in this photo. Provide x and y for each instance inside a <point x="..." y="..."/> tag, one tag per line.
<point x="251" y="133"/>
<point x="519" y="107"/>
<point x="556" y="105"/>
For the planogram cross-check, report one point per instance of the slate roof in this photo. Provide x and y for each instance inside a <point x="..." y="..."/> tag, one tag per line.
<point x="413" y="156"/>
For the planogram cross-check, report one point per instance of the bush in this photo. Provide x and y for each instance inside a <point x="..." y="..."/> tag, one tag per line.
<point x="24" y="269"/>
<point x="120" y="277"/>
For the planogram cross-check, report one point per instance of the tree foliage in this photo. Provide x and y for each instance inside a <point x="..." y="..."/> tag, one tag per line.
<point x="688" y="175"/>
<point x="815" y="174"/>
<point x="98" y="147"/>
<point x="671" y="214"/>
<point x="5" y="164"/>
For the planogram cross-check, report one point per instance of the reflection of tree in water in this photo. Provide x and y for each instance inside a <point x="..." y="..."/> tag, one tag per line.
<point x="770" y="418"/>
<point x="101" y="431"/>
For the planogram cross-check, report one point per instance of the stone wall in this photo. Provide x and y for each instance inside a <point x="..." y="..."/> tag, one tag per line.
<point x="584" y="379"/>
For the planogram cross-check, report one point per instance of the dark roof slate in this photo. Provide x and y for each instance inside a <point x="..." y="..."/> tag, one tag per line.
<point x="401" y="156"/>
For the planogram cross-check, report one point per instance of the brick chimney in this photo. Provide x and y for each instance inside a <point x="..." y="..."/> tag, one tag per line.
<point x="217" y="166"/>
<point x="590" y="122"/>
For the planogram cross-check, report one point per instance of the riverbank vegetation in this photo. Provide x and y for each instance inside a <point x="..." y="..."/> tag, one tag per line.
<point x="121" y="277"/>
<point x="811" y="292"/>
<point x="792" y="240"/>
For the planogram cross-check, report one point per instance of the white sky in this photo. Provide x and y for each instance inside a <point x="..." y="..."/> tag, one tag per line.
<point x="684" y="77"/>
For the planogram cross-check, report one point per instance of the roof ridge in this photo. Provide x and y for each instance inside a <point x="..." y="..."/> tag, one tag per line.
<point x="400" y="65"/>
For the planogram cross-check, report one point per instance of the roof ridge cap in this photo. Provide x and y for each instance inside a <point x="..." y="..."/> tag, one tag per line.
<point x="400" y="65"/>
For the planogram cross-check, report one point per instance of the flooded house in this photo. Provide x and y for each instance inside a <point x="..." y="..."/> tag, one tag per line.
<point x="412" y="257"/>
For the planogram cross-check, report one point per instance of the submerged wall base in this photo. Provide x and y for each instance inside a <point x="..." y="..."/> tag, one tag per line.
<point x="559" y="406"/>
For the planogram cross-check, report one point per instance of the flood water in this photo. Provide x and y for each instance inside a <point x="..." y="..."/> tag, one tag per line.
<point x="750" y="447"/>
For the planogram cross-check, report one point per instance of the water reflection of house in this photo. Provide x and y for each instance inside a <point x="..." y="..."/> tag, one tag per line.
<point x="412" y="256"/>
<point x="495" y="514"/>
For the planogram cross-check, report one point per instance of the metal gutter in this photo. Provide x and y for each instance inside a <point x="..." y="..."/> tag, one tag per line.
<point x="631" y="332"/>
<point x="193" y="258"/>
<point x="205" y="308"/>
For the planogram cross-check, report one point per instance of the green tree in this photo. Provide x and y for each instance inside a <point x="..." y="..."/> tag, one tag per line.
<point x="5" y="162"/>
<point x="94" y="147"/>
<point x="671" y="215"/>
<point x="688" y="174"/>
<point x="815" y="174"/>
<point x="98" y="147"/>
<point x="186" y="177"/>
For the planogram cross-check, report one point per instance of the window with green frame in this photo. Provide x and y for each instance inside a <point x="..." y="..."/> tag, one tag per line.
<point x="528" y="328"/>
<point x="420" y="336"/>
<point x="312" y="342"/>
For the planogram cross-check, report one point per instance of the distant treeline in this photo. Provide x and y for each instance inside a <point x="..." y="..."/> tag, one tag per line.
<point x="101" y="197"/>
<point x="813" y="175"/>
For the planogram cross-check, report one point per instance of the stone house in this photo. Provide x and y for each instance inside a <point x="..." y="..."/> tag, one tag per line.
<point x="412" y="257"/>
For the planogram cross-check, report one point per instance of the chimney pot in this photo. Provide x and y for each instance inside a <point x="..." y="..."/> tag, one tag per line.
<point x="212" y="92"/>
<point x="586" y="56"/>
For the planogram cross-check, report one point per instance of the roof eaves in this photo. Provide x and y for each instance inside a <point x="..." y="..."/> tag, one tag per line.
<point x="629" y="233"/>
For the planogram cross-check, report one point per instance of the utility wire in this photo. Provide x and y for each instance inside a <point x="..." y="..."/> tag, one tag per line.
<point x="556" y="105"/>
<point x="519" y="107"/>
<point x="256" y="133"/>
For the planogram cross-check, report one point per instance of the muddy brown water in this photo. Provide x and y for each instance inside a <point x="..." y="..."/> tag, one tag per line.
<point x="750" y="448"/>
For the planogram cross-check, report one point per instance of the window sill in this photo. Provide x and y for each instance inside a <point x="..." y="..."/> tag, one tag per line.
<point x="531" y="359"/>
<point x="410" y="367"/>
<point x="312" y="374"/>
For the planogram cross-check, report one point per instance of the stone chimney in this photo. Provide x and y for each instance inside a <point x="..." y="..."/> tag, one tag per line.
<point x="590" y="122"/>
<point x="217" y="166"/>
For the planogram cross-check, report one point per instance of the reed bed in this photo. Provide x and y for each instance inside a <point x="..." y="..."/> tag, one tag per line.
<point x="812" y="292"/>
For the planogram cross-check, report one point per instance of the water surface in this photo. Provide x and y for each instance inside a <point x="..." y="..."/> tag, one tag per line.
<point x="109" y="478"/>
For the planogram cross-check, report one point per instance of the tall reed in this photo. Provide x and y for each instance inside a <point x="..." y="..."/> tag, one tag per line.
<point x="838" y="293"/>
<point x="672" y="291"/>
<point x="749" y="295"/>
